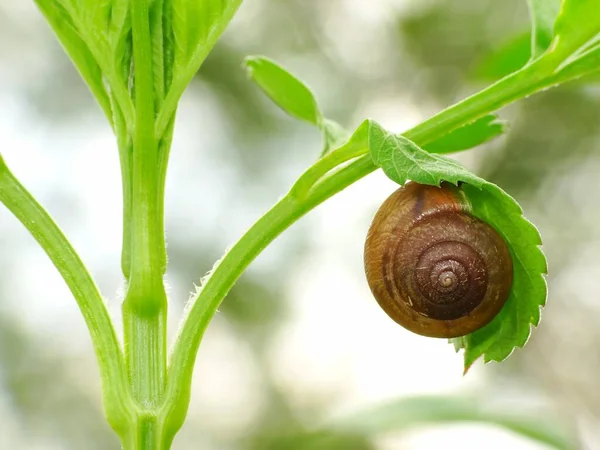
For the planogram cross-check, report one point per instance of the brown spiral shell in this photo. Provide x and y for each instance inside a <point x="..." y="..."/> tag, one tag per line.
<point x="432" y="266"/>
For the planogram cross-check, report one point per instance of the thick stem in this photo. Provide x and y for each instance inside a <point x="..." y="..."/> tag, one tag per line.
<point x="145" y="305"/>
<point x="145" y="351"/>
<point x="147" y="434"/>
<point x="148" y="244"/>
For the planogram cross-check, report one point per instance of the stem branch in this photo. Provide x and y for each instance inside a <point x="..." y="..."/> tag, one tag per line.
<point x="316" y="185"/>
<point x="118" y="403"/>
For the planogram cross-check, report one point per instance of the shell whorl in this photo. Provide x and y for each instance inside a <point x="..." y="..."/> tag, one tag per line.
<point x="432" y="266"/>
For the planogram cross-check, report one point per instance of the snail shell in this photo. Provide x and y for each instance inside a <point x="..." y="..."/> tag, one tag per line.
<point x="432" y="266"/>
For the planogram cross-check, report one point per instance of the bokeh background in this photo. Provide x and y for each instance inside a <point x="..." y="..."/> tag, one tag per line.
<point x="300" y="341"/>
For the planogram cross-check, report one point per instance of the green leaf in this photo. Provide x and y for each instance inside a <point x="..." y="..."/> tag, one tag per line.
<point x="295" y="98"/>
<point x="161" y="45"/>
<point x="512" y="326"/>
<point x="402" y="160"/>
<point x="287" y="91"/>
<point x="542" y="14"/>
<point x="96" y="15"/>
<point x="123" y="50"/>
<point x="469" y="136"/>
<point x="168" y="44"/>
<point x="196" y="27"/>
<point x="119" y="16"/>
<point x="405" y="414"/>
<point x="578" y="22"/>
<point x="191" y="29"/>
<point x="119" y="32"/>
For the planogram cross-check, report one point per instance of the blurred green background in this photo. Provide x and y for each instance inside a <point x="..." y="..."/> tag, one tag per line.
<point x="300" y="342"/>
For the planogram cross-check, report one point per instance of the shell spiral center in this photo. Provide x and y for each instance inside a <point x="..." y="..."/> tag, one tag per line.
<point x="451" y="278"/>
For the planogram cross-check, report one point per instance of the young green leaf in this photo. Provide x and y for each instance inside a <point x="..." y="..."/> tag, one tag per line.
<point x="122" y="48"/>
<point x="161" y="42"/>
<point x="119" y="15"/>
<point x="402" y="160"/>
<point x="295" y="98"/>
<point x="96" y="16"/>
<point x="469" y="136"/>
<point x="287" y="91"/>
<point x="542" y="14"/>
<point x="168" y="44"/>
<point x="119" y="32"/>
<point x="196" y="27"/>
<point x="191" y="29"/>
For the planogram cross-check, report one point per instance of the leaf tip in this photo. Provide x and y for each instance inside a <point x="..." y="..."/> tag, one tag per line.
<point x="468" y="365"/>
<point x="250" y="62"/>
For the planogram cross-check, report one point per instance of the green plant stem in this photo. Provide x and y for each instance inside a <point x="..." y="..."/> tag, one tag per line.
<point x="325" y="183"/>
<point x="145" y="304"/>
<point x="354" y="148"/>
<point x="228" y="270"/>
<point x="118" y="403"/>
<point x="518" y="85"/>
<point x="148" y="246"/>
<point x="528" y="81"/>
<point x="147" y="434"/>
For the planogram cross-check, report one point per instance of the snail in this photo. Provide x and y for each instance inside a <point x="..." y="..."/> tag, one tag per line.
<point x="432" y="266"/>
